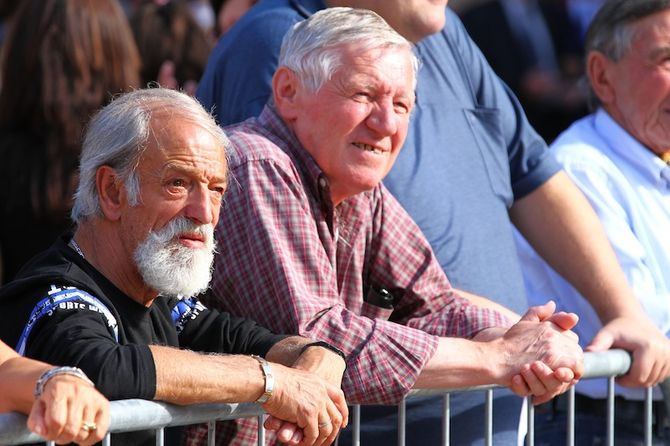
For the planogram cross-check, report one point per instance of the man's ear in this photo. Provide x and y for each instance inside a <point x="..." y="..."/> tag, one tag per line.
<point x="110" y="191"/>
<point x="599" y="70"/>
<point x="285" y="91"/>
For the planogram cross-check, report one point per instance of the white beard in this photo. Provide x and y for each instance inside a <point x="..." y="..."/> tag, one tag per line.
<point x="171" y="268"/>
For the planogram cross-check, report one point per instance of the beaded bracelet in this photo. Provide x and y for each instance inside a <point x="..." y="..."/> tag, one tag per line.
<point x="46" y="376"/>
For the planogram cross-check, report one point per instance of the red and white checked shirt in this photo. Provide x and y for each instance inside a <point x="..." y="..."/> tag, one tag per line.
<point x="291" y="261"/>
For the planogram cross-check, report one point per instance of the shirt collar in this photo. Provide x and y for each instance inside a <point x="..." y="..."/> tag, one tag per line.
<point x="625" y="146"/>
<point x="314" y="177"/>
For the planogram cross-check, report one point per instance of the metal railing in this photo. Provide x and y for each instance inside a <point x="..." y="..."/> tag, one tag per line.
<point x="134" y="415"/>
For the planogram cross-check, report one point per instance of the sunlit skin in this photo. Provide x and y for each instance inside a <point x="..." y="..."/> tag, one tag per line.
<point x="414" y="19"/>
<point x="362" y="116"/>
<point x="231" y="11"/>
<point x="635" y="91"/>
<point x="183" y="172"/>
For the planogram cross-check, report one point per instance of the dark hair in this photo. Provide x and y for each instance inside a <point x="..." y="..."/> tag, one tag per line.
<point x="610" y="33"/>
<point x="169" y="32"/>
<point x="62" y="61"/>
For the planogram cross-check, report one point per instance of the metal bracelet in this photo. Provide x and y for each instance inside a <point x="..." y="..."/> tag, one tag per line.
<point x="46" y="376"/>
<point x="269" y="379"/>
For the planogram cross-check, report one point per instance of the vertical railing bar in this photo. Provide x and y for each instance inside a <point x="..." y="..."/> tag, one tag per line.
<point x="356" y="434"/>
<point x="446" y="414"/>
<point x="51" y="443"/>
<point x="261" y="431"/>
<point x="211" y="433"/>
<point x="530" y="421"/>
<point x="610" y="411"/>
<point x="107" y="441"/>
<point x="489" y="417"/>
<point x="160" y="436"/>
<point x="402" y="409"/>
<point x="647" y="415"/>
<point x="570" y="427"/>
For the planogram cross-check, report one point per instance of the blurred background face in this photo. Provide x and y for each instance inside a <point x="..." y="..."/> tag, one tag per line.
<point x="414" y="19"/>
<point x="640" y="81"/>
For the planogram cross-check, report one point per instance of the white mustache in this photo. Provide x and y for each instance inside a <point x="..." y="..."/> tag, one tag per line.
<point x="182" y="225"/>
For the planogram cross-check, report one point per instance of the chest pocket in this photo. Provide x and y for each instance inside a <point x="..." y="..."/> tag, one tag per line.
<point x="486" y="130"/>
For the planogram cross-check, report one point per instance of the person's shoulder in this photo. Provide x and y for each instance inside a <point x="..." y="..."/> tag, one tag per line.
<point x="251" y="142"/>
<point x="579" y="140"/>
<point x="580" y="148"/>
<point x="266" y="23"/>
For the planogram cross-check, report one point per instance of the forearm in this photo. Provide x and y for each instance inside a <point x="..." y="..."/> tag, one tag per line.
<point x="185" y="377"/>
<point x="560" y="224"/>
<point x="459" y="363"/>
<point x="287" y="351"/>
<point x="17" y="383"/>
<point x="487" y="303"/>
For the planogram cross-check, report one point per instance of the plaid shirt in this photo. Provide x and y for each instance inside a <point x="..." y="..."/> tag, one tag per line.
<point x="296" y="264"/>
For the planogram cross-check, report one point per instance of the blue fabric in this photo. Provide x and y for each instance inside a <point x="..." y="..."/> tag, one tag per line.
<point x="469" y="154"/>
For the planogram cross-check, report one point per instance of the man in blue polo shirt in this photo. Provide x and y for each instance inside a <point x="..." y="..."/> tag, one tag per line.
<point x="470" y="162"/>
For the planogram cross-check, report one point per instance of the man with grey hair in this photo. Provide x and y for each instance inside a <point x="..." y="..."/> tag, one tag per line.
<point x="316" y="245"/>
<point x="117" y="298"/>
<point x="619" y="157"/>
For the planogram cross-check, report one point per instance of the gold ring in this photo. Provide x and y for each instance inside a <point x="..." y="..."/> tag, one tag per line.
<point x="88" y="426"/>
<point x="324" y="424"/>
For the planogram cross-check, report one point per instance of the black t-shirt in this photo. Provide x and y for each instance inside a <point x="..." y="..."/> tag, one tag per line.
<point x="61" y="310"/>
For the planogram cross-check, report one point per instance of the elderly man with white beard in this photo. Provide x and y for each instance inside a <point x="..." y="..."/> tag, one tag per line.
<point x="116" y="297"/>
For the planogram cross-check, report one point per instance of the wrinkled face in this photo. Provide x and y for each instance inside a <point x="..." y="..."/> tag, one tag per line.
<point x="414" y="19"/>
<point x="182" y="176"/>
<point x="641" y="84"/>
<point x="356" y="123"/>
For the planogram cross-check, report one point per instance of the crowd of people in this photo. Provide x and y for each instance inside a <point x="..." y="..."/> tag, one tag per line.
<point x="338" y="202"/>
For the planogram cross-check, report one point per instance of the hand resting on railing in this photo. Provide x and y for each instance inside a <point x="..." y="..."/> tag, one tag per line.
<point x="64" y="407"/>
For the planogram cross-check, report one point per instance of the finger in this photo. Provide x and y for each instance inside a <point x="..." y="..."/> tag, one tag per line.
<point x="36" y="419"/>
<point x="519" y="386"/>
<point x="272" y="423"/>
<point x="311" y="430"/>
<point x="72" y="427"/>
<point x="90" y="432"/>
<point x="565" y="375"/>
<point x="325" y="429"/>
<point x="55" y="417"/>
<point x="533" y="381"/>
<point x="297" y="437"/>
<point x="540" y="312"/>
<point x="337" y="396"/>
<point x="565" y="321"/>
<point x="602" y="341"/>
<point x="102" y="420"/>
<point x="335" y="422"/>
<point x="286" y="431"/>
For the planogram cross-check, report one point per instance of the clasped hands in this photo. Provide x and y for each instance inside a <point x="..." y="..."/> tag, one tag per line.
<point x="308" y="406"/>
<point x="542" y="356"/>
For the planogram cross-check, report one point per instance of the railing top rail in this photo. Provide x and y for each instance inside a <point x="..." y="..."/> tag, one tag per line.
<point x="136" y="414"/>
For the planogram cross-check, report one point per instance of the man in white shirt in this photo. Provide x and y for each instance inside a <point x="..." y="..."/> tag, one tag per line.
<point x="619" y="157"/>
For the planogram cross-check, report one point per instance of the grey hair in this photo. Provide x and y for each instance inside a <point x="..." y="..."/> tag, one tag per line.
<point x="117" y="136"/>
<point x="310" y="47"/>
<point x="611" y="33"/>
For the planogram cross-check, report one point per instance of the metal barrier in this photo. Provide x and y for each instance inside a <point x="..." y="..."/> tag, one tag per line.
<point x="133" y="415"/>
